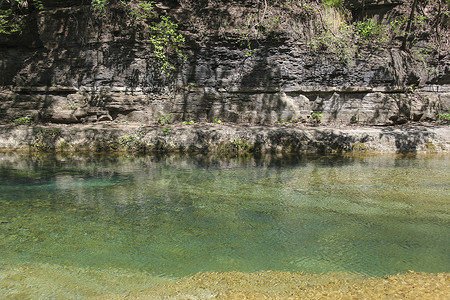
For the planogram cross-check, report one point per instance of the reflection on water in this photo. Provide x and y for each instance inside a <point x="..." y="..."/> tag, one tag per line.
<point x="174" y="216"/>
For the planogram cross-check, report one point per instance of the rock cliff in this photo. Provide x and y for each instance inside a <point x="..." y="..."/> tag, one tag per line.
<point x="257" y="62"/>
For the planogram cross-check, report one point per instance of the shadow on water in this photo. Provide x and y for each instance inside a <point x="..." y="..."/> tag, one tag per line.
<point x="41" y="164"/>
<point x="51" y="161"/>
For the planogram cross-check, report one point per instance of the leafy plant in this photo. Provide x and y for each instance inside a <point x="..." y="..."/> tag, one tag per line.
<point x="140" y="9"/>
<point x="7" y="25"/>
<point x="46" y="138"/>
<point x="397" y="24"/>
<point x="217" y="121"/>
<point x="249" y="52"/>
<point x="421" y="19"/>
<point x="241" y="145"/>
<point x="23" y="121"/>
<point x="412" y="88"/>
<point x="10" y="22"/>
<point x="258" y="24"/>
<point x="99" y="5"/>
<point x="166" y="39"/>
<point x="191" y="122"/>
<point x="164" y="35"/>
<point x="336" y="40"/>
<point x="64" y="145"/>
<point x="287" y="122"/>
<point x="444" y="117"/>
<point x="133" y="141"/>
<point x="244" y="41"/>
<point x="333" y="3"/>
<point x="72" y="104"/>
<point x="423" y="54"/>
<point x="368" y="29"/>
<point x="164" y="119"/>
<point x="359" y="147"/>
<point x="167" y="130"/>
<point x="316" y="117"/>
<point x="38" y="4"/>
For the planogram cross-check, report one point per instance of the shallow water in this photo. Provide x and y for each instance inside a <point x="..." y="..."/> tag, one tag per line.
<point x="170" y="216"/>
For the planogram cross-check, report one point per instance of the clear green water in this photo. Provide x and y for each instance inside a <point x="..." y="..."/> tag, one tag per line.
<point x="174" y="216"/>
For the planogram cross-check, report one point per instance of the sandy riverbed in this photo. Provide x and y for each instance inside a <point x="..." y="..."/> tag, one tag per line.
<point x="45" y="281"/>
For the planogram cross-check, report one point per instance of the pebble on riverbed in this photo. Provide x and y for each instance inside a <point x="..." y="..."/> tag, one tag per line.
<point x="289" y="285"/>
<point x="68" y="282"/>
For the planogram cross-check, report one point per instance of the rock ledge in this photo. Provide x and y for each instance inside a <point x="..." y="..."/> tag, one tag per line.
<point x="215" y="138"/>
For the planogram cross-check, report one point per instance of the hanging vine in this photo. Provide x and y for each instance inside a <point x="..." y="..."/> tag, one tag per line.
<point x="164" y="35"/>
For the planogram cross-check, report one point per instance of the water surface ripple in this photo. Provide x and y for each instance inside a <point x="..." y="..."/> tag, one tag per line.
<point x="174" y="216"/>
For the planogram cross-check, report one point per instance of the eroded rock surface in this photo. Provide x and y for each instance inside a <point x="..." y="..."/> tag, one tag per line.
<point x="73" y="66"/>
<point x="225" y="139"/>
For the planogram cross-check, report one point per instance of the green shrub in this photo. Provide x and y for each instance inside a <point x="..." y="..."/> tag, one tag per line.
<point x="23" y="121"/>
<point x="368" y="29"/>
<point x="164" y="119"/>
<point x="333" y="3"/>
<point x="38" y="4"/>
<point x="241" y="145"/>
<point x="10" y="20"/>
<point x="167" y="130"/>
<point x="165" y="39"/>
<point x="361" y="147"/>
<point x="99" y="5"/>
<point x="46" y="139"/>
<point x="287" y="122"/>
<point x="336" y="39"/>
<point x="64" y="145"/>
<point x="133" y="141"/>
<point x="140" y="10"/>
<point x="316" y="117"/>
<point x="7" y="25"/>
<point x="164" y="34"/>
<point x="444" y="117"/>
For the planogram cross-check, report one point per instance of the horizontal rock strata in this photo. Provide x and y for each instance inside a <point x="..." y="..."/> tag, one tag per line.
<point x="344" y="105"/>
<point x="71" y="65"/>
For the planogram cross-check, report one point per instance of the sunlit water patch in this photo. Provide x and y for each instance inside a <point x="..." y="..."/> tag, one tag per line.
<point x="171" y="217"/>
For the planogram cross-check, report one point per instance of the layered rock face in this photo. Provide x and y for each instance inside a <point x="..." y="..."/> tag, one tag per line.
<point x="72" y="65"/>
